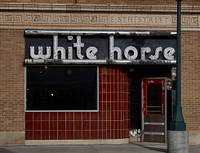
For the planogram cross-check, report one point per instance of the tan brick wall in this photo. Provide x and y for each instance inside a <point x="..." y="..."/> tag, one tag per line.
<point x="191" y="79"/>
<point x="11" y="80"/>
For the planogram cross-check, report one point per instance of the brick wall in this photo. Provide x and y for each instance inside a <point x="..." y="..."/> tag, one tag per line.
<point x="11" y="80"/>
<point x="191" y="79"/>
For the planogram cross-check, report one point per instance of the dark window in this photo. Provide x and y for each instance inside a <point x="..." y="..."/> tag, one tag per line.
<point x="154" y="98"/>
<point x="56" y="88"/>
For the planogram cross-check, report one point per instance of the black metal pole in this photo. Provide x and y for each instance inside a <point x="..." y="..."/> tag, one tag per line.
<point x="178" y="123"/>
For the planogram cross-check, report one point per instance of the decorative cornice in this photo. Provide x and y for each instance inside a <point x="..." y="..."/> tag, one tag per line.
<point x="95" y="8"/>
<point x="101" y="17"/>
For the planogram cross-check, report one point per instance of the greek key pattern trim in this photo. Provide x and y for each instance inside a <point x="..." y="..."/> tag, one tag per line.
<point x="25" y="20"/>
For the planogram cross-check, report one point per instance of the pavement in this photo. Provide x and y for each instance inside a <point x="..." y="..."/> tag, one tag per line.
<point x="122" y="148"/>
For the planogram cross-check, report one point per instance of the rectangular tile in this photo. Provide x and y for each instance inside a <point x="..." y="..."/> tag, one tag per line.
<point x="86" y="116"/>
<point x="77" y="116"/>
<point x="53" y="125"/>
<point x="37" y="116"/>
<point x="76" y="135"/>
<point x="94" y="116"/>
<point x="37" y="125"/>
<point x="86" y="125"/>
<point x="68" y="116"/>
<point x="61" y="135"/>
<point x="68" y="135"/>
<point x="45" y="116"/>
<point x="77" y="125"/>
<point x="53" y="135"/>
<point x="61" y="116"/>
<point x="69" y="125"/>
<point x="45" y="125"/>
<point x="94" y="134"/>
<point x="37" y="135"/>
<point x="108" y="125"/>
<point x="53" y="116"/>
<point x="29" y="135"/>
<point x="29" y="116"/>
<point x="61" y="125"/>
<point x="86" y="135"/>
<point x="29" y="125"/>
<point x="94" y="125"/>
<point x="45" y="135"/>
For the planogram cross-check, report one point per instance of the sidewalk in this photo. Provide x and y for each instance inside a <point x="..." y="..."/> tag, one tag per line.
<point x="124" y="148"/>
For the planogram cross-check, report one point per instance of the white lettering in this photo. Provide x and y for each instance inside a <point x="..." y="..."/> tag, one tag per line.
<point x="57" y="49"/>
<point x="40" y="54"/>
<point x="144" y="50"/>
<point x="70" y="53"/>
<point x="127" y="53"/>
<point x="157" y="53"/>
<point x="169" y="53"/>
<point x="114" y="50"/>
<point x="75" y="47"/>
<point x="91" y="52"/>
<point x="78" y="45"/>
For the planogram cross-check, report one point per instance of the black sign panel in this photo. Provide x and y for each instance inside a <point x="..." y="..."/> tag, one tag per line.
<point x="61" y="47"/>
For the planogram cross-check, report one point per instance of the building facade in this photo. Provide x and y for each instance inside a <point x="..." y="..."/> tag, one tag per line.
<point x="89" y="71"/>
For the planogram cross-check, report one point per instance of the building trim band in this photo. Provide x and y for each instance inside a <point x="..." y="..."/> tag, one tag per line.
<point x="65" y="16"/>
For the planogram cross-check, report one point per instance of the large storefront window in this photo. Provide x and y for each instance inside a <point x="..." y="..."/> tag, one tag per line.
<point x="61" y="88"/>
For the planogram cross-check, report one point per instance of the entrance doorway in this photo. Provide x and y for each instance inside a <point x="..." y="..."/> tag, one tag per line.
<point x="154" y="118"/>
<point x="157" y="78"/>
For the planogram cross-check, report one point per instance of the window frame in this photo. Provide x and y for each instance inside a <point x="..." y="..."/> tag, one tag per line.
<point x="25" y="93"/>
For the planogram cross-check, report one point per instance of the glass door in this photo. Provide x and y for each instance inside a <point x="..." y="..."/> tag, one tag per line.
<point x="154" y="110"/>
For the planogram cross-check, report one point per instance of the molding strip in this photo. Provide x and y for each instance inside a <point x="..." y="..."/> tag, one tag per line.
<point x="101" y="17"/>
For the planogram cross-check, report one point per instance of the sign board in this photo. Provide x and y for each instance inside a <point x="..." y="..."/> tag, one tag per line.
<point x="90" y="47"/>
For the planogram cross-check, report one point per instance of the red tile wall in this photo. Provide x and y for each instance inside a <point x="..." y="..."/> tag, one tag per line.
<point x="110" y="122"/>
